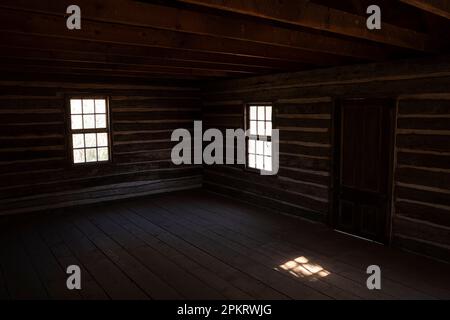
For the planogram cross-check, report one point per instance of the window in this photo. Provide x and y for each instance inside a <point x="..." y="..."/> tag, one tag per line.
<point x="259" y="142"/>
<point x="89" y="130"/>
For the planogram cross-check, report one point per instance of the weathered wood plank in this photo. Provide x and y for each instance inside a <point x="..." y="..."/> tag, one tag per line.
<point x="422" y="177"/>
<point x="34" y="165"/>
<point x="90" y="289"/>
<point x="319" y="17"/>
<point x="314" y="237"/>
<point x="424" y="107"/>
<point x="239" y="228"/>
<point x="128" y="221"/>
<point x="413" y="228"/>
<point x="109" y="242"/>
<point x="424" y="211"/>
<point x="250" y="286"/>
<point x="98" y="194"/>
<point x="21" y="278"/>
<point x="108" y="275"/>
<point x="136" y="35"/>
<point x="148" y="17"/>
<point x="438" y="7"/>
<point x="196" y="222"/>
<point x="423" y="195"/>
<point x="50" y="272"/>
<point x="425" y="160"/>
<point x="274" y="279"/>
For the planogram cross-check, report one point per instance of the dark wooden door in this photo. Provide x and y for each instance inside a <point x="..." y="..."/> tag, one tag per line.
<point x="364" y="174"/>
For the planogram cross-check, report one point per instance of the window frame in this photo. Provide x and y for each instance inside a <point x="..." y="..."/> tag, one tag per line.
<point x="247" y="106"/>
<point x="70" y="131"/>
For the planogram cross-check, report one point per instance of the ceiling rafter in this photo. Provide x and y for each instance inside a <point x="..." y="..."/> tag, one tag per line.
<point x="42" y="24"/>
<point x="190" y="22"/>
<point x="437" y="7"/>
<point x="28" y="41"/>
<point x="310" y="15"/>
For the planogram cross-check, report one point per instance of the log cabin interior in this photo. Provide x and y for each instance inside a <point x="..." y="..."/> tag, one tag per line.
<point x="358" y="175"/>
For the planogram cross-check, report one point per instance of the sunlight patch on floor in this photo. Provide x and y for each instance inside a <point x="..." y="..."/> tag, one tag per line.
<point x="302" y="267"/>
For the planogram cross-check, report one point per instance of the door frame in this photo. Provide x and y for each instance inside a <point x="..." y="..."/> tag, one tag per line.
<point x="336" y="151"/>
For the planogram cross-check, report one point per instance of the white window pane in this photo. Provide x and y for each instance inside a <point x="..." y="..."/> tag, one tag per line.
<point x="269" y="129"/>
<point x="100" y="121"/>
<point x="251" y="146"/>
<point x="267" y="148"/>
<point x="78" y="140"/>
<point x="102" y="139"/>
<point x="90" y="140"/>
<point x="88" y="106"/>
<point x="260" y="113"/>
<point x="89" y="121"/>
<point x="252" y="113"/>
<point x="75" y="106"/>
<point x="259" y="147"/>
<point x="100" y="106"/>
<point x="91" y="155"/>
<point x="261" y="130"/>
<point x="251" y="161"/>
<point x="268" y="163"/>
<point x="77" y="122"/>
<point x="268" y="113"/>
<point x="78" y="155"/>
<point x="259" y="162"/>
<point x="103" y="154"/>
<point x="89" y="114"/>
<point x="253" y="127"/>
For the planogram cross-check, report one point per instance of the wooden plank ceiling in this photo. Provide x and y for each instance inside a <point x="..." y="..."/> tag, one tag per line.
<point x="204" y="39"/>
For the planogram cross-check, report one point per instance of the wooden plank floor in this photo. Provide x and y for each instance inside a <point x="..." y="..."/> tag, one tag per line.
<point x="198" y="245"/>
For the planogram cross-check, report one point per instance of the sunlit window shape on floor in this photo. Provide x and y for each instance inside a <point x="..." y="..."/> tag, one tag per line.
<point x="301" y="267"/>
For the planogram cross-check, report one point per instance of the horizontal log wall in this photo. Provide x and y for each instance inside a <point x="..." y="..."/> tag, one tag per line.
<point x="304" y="185"/>
<point x="36" y="171"/>
<point x="422" y="181"/>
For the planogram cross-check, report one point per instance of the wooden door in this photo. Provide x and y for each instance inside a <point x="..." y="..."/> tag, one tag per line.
<point x="363" y="181"/>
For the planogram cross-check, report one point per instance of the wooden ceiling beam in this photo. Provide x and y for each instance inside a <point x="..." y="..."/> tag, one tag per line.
<point x="33" y="73"/>
<point x="136" y="62"/>
<point x="22" y="22"/>
<point x="310" y="15"/>
<point x="437" y="7"/>
<point x="39" y="42"/>
<point x="42" y="66"/>
<point x="96" y="81"/>
<point x="125" y="12"/>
